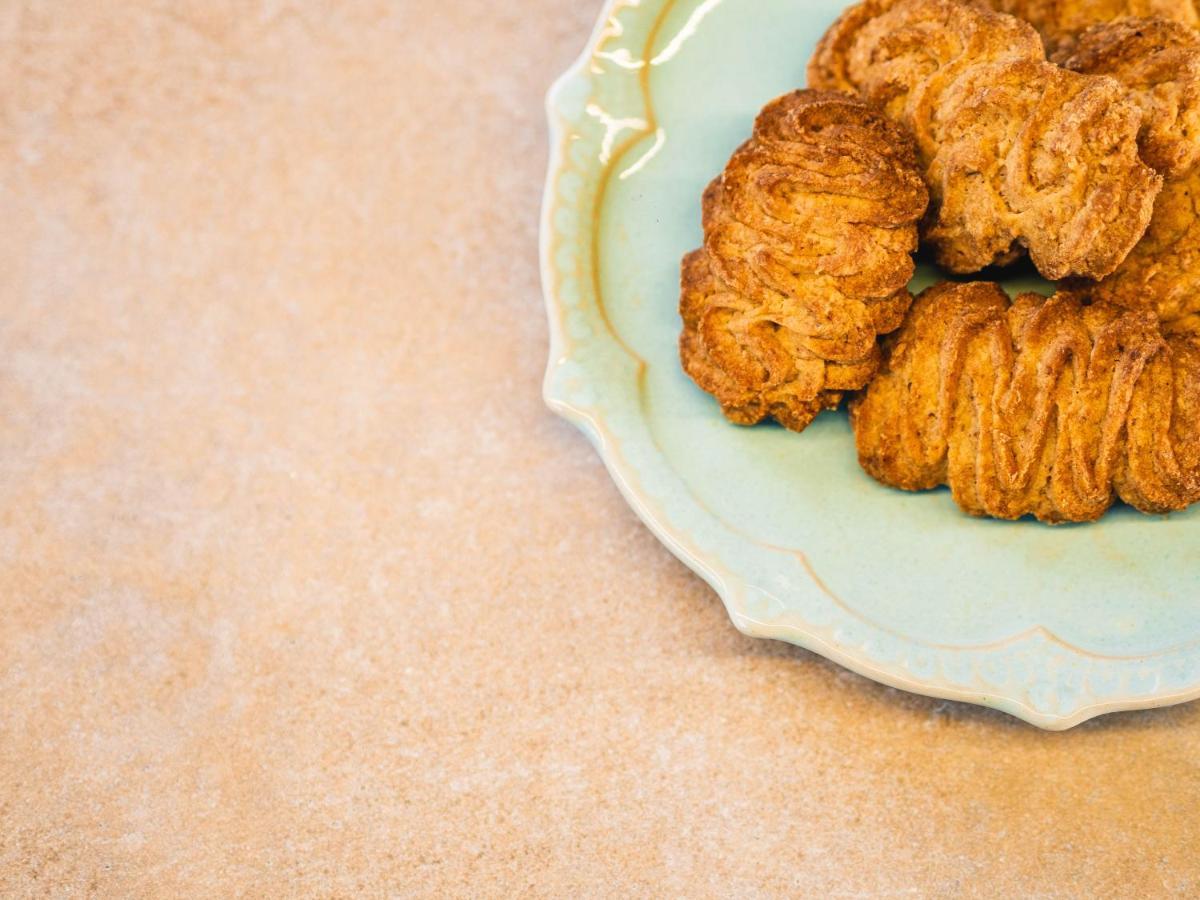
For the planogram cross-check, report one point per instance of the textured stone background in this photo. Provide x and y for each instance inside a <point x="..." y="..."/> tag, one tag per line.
<point x="303" y="591"/>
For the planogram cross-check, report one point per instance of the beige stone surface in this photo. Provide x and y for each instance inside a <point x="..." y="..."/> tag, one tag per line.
<point x="303" y="592"/>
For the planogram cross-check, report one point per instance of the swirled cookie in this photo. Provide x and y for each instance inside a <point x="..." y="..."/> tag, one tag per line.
<point x="1040" y="406"/>
<point x="808" y="236"/>
<point x="1018" y="153"/>
<point x="1158" y="61"/>
<point x="1162" y="273"/>
<point x="1060" y="22"/>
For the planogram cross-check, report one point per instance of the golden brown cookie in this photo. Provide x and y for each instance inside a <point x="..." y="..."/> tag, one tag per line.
<point x="1018" y="154"/>
<point x="1162" y="273"/>
<point x="1060" y="22"/>
<point x="1158" y="61"/>
<point x="808" y="236"/>
<point x="1040" y="406"/>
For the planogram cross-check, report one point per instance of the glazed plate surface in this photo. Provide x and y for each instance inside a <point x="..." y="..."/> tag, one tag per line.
<point x="1054" y="625"/>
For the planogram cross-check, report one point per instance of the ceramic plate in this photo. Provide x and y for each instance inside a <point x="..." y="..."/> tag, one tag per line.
<point x="1054" y="625"/>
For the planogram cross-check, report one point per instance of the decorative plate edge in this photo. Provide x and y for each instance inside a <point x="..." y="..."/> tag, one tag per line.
<point x="731" y="588"/>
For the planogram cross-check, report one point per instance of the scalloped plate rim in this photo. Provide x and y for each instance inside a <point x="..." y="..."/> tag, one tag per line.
<point x="730" y="586"/>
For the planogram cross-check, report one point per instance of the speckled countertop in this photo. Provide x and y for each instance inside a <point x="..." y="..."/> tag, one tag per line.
<point x="303" y="592"/>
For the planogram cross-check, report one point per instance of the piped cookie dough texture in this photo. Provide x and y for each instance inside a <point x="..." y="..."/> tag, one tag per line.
<point x="808" y="241"/>
<point x="1060" y="22"/>
<point x="1019" y="154"/>
<point x="1041" y="406"/>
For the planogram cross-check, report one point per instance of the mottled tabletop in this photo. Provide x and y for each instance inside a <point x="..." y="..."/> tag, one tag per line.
<point x="303" y="591"/>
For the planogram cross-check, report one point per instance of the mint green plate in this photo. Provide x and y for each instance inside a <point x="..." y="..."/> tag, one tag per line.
<point x="1054" y="625"/>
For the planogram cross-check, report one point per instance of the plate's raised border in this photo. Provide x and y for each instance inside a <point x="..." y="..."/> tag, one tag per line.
<point x="1032" y="675"/>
